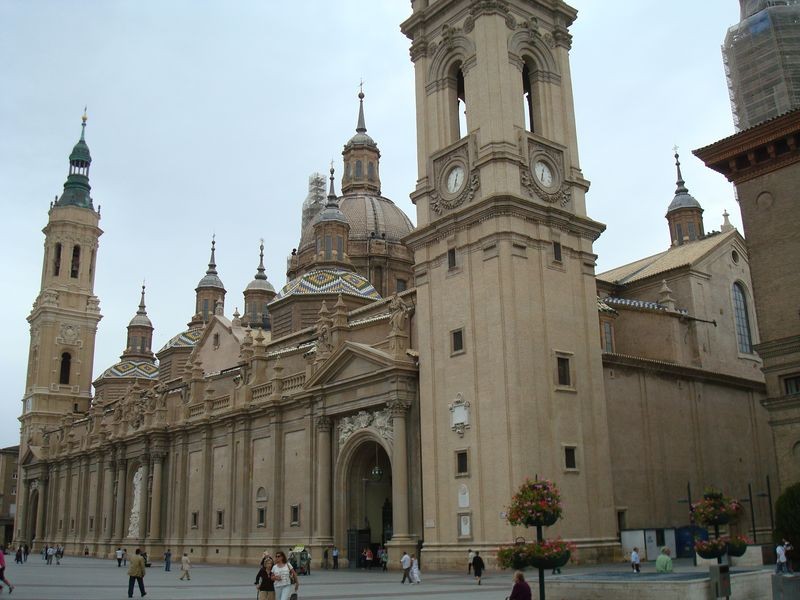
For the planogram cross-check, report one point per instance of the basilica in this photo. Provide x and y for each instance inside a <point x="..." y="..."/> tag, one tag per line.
<point x="407" y="379"/>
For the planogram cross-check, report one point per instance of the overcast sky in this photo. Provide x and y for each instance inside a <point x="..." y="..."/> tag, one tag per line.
<point x="208" y="116"/>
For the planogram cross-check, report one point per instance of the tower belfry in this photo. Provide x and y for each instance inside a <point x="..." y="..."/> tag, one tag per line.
<point x="63" y="322"/>
<point x="510" y="379"/>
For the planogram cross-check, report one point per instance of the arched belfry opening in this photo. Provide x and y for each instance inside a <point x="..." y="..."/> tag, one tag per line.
<point x="366" y="510"/>
<point x="457" y="102"/>
<point x="527" y="98"/>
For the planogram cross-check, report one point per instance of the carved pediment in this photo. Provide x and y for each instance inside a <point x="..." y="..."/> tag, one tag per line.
<point x="351" y="361"/>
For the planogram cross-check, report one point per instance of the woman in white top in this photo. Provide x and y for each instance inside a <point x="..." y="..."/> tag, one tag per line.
<point x="415" y="578"/>
<point x="283" y="576"/>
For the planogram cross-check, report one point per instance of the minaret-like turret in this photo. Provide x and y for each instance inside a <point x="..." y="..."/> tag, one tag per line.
<point x="331" y="231"/>
<point x="684" y="215"/>
<point x="210" y="290"/>
<point x="361" y="159"/>
<point x="257" y="295"/>
<point x="140" y="334"/>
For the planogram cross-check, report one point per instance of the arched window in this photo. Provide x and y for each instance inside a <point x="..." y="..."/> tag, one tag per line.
<point x="57" y="260"/>
<point x="461" y="96"/>
<point x="76" y="262"/>
<point x="205" y="310"/>
<point x="527" y="98"/>
<point x="743" y="337"/>
<point x="66" y="361"/>
<point x="359" y="169"/>
<point x="371" y="171"/>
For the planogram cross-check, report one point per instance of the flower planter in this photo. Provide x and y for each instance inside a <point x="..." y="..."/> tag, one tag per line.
<point x="737" y="549"/>
<point x="710" y="553"/>
<point x="544" y="520"/>
<point x="550" y="562"/>
<point x="720" y="519"/>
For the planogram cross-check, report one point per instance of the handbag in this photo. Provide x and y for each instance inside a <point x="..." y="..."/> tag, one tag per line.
<point x="293" y="596"/>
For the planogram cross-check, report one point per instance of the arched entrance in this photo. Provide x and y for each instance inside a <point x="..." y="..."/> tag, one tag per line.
<point x="366" y="510"/>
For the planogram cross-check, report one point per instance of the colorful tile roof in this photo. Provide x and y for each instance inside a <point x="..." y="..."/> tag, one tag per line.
<point x="330" y="281"/>
<point x="140" y="369"/>
<point x="185" y="339"/>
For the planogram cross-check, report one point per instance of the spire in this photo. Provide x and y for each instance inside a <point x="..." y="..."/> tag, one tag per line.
<point x="361" y="127"/>
<point x="77" y="188"/>
<point x="142" y="310"/>
<point x="726" y="224"/>
<point x="331" y="191"/>
<point x="681" y="184"/>
<point x="260" y="272"/>
<point x="212" y="263"/>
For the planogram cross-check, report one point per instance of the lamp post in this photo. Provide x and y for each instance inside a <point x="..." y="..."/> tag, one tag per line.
<point x="768" y="496"/>
<point x="688" y="500"/>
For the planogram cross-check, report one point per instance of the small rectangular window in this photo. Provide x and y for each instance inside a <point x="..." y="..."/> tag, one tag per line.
<point x="451" y="258"/>
<point x="679" y="233"/>
<point x="570" y="458"/>
<point x="220" y="519"/>
<point x="457" y="344"/>
<point x="792" y="385"/>
<point x="261" y="517"/>
<point x="339" y="247"/>
<point x="401" y="285"/>
<point x="195" y="519"/>
<point x="328" y="248"/>
<point x="462" y="463"/>
<point x="692" y="231"/>
<point x="295" y="515"/>
<point x="563" y="371"/>
<point x="72" y="524"/>
<point x="60" y="521"/>
<point x="91" y="523"/>
<point x="608" y="336"/>
<point x="556" y="252"/>
<point x="14" y="475"/>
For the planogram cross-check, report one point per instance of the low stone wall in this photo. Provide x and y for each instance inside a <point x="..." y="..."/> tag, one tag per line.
<point x="752" y="585"/>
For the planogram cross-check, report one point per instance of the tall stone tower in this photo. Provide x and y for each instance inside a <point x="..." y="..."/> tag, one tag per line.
<point x="66" y="312"/>
<point x="511" y="382"/>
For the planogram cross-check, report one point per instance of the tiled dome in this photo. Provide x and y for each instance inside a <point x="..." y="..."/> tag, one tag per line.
<point x="141" y="369"/>
<point x="330" y="281"/>
<point x="367" y="214"/>
<point x="185" y="339"/>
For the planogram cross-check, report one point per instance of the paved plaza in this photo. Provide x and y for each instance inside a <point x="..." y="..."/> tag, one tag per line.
<point x="96" y="579"/>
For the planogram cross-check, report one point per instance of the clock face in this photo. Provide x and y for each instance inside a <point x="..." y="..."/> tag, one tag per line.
<point x="455" y="179"/>
<point x="543" y="173"/>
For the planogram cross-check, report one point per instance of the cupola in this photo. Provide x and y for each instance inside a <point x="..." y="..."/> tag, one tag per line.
<point x="77" y="188"/>
<point x="257" y="295"/>
<point x="361" y="159"/>
<point x="684" y="215"/>
<point x="140" y="334"/>
<point x="331" y="231"/>
<point x="209" y="291"/>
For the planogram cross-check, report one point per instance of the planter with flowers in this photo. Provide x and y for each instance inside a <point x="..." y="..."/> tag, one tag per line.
<point x="716" y="509"/>
<point x="712" y="548"/>
<point x="537" y="503"/>
<point x="737" y="545"/>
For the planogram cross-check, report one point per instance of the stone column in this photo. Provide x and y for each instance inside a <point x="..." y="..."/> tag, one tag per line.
<point x="107" y="511"/>
<point x="144" y="492"/>
<point x="155" y="509"/>
<point x="119" y="516"/>
<point x="40" y="510"/>
<point x="22" y="528"/>
<point x="52" y="492"/>
<point x="399" y="410"/>
<point x="324" y="478"/>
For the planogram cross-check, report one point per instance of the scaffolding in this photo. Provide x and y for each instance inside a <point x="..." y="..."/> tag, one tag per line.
<point x="761" y="55"/>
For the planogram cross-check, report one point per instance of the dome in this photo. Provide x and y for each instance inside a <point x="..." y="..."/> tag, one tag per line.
<point x="331" y="212"/>
<point x="140" y="321"/>
<point x="367" y="214"/>
<point x="141" y="369"/>
<point x="360" y="139"/>
<point x="329" y="281"/>
<point x="211" y="280"/>
<point x="81" y="152"/>
<point x="260" y="284"/>
<point x="683" y="200"/>
<point x="185" y="339"/>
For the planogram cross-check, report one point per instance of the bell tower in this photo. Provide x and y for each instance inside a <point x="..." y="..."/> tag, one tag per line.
<point x="63" y="322"/>
<point x="511" y="382"/>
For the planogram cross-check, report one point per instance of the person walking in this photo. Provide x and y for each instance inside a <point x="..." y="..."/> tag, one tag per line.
<point x="284" y="577"/>
<point x="781" y="565"/>
<point x="636" y="562"/>
<point x="369" y="558"/>
<point x="25" y="552"/>
<point x="124" y="557"/>
<point x="51" y="552"/>
<point x="664" y="562"/>
<point x="59" y="554"/>
<point x="325" y="559"/>
<point x="414" y="573"/>
<point x="521" y="590"/>
<point x="118" y="555"/>
<point x="167" y="559"/>
<point x="136" y="573"/>
<point x="470" y="557"/>
<point x="405" y="562"/>
<point x="478" y="567"/>
<point x="3" y="572"/>
<point x="264" y="583"/>
<point x="18" y="555"/>
<point x="186" y="566"/>
<point x="44" y="552"/>
<point x="384" y="556"/>
<point x="335" y="555"/>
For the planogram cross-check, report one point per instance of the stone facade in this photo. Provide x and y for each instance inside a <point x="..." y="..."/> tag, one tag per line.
<point x="357" y="413"/>
<point x="9" y="470"/>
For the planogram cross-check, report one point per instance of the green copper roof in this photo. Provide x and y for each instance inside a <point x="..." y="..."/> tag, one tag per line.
<point x="77" y="188"/>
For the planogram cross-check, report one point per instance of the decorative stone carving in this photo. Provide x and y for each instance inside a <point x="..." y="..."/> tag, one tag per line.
<point x="561" y="196"/>
<point x="324" y="423"/>
<point x="380" y="420"/>
<point x="398" y="315"/>
<point x="459" y="415"/>
<point x="398" y="407"/>
<point x="439" y="203"/>
<point x="134" y="531"/>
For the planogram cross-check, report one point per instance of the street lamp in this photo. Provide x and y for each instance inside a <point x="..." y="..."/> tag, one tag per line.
<point x="768" y="496"/>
